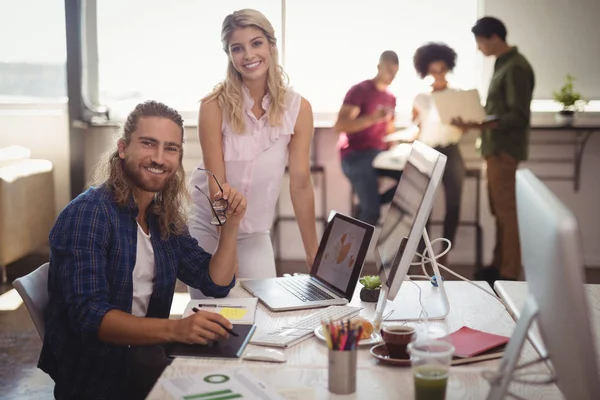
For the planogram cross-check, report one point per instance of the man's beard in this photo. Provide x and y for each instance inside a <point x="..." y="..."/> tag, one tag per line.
<point x="137" y="178"/>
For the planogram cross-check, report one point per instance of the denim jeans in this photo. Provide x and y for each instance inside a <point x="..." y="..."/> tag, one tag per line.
<point x="358" y="168"/>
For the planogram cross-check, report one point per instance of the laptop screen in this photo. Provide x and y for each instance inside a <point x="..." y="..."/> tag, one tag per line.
<point x="342" y="253"/>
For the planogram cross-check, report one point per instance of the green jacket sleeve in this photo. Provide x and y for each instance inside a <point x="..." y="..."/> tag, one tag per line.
<point x="519" y="88"/>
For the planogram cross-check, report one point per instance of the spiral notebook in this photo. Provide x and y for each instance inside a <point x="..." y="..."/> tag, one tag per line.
<point x="233" y="347"/>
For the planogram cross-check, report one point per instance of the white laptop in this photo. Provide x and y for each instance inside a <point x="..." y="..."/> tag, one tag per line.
<point x="333" y="275"/>
<point x="465" y="104"/>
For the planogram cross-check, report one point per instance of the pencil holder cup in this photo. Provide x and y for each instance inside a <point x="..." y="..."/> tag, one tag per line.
<point x="342" y="371"/>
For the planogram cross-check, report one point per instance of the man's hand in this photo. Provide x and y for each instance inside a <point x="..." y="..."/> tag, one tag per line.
<point x="383" y="114"/>
<point x="462" y="125"/>
<point x="465" y="126"/>
<point x="237" y="203"/>
<point x="201" y="327"/>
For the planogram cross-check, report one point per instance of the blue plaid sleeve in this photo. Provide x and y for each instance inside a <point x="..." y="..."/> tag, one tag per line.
<point x="79" y="243"/>
<point x="193" y="268"/>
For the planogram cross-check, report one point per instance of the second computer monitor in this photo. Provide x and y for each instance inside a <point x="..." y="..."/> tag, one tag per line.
<point x="554" y="269"/>
<point x="407" y="215"/>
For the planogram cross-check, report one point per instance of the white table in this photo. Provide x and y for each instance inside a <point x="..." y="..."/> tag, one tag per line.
<point x="393" y="159"/>
<point x="306" y="364"/>
<point x="515" y="294"/>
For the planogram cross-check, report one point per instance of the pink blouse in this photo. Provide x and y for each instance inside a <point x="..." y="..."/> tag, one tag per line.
<point x="254" y="164"/>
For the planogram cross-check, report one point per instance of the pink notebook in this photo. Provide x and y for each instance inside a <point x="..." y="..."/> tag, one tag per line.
<point x="471" y="342"/>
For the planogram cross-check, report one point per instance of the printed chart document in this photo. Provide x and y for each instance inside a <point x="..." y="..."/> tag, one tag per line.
<point x="237" y="383"/>
<point x="237" y="310"/>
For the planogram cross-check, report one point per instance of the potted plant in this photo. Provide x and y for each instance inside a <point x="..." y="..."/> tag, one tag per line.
<point x="571" y="101"/>
<point x="371" y="287"/>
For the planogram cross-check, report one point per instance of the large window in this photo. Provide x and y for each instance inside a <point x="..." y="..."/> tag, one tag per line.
<point x="332" y="45"/>
<point x="172" y="50"/>
<point x="165" y="50"/>
<point x="32" y="50"/>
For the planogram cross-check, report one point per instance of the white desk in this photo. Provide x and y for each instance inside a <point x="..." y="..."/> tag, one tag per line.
<point x="515" y="294"/>
<point x="306" y="364"/>
<point x="393" y="159"/>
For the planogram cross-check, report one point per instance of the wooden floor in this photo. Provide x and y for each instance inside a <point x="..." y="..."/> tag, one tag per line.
<point x="20" y="344"/>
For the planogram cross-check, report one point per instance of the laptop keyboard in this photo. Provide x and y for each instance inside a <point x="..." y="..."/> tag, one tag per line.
<point x="303" y="289"/>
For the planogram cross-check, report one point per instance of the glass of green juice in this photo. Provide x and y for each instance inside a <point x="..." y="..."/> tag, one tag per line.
<point x="430" y="360"/>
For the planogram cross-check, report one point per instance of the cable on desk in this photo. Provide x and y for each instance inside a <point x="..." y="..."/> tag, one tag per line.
<point x="424" y="258"/>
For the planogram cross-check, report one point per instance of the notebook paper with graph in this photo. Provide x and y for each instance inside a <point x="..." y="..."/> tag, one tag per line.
<point x="222" y="384"/>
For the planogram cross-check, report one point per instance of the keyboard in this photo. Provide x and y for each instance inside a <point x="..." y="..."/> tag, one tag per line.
<point x="303" y="289"/>
<point x="289" y="335"/>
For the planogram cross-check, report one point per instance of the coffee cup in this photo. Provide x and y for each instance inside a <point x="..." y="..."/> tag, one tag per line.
<point x="397" y="338"/>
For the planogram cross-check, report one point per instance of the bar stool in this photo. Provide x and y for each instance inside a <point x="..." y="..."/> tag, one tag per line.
<point x="315" y="170"/>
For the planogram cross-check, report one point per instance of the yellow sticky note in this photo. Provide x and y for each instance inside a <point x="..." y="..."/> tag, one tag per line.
<point x="233" y="313"/>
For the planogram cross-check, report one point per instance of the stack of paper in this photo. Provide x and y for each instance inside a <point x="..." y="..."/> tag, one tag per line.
<point x="237" y="310"/>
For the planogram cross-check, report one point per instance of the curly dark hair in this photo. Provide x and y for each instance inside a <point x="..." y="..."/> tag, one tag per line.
<point x="432" y="52"/>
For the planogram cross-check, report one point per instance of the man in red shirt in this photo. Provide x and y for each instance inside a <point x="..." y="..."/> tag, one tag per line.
<point x="364" y="119"/>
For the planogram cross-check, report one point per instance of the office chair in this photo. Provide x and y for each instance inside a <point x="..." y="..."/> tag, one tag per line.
<point x="33" y="289"/>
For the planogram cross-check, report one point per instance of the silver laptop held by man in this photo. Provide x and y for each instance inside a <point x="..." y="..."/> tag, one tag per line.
<point x="333" y="275"/>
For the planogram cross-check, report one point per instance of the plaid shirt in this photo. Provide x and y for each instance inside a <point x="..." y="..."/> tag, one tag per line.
<point x="93" y="252"/>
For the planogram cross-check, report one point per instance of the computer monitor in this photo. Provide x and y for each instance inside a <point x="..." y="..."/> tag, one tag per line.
<point x="403" y="228"/>
<point x="552" y="258"/>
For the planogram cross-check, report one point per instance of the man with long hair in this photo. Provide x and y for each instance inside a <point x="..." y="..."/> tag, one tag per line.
<point x="116" y="252"/>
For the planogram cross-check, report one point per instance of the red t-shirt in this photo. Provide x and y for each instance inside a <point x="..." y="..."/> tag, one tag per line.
<point x="366" y="96"/>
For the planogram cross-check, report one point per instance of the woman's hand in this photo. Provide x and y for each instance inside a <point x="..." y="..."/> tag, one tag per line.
<point x="310" y="260"/>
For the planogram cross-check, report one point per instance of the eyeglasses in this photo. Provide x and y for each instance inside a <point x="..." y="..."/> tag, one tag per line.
<point x="219" y="207"/>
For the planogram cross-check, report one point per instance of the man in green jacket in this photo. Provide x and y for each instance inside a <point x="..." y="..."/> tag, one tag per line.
<point x="504" y="141"/>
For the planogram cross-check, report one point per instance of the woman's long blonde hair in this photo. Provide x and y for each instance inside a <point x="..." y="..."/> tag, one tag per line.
<point x="229" y="92"/>
<point x="170" y="204"/>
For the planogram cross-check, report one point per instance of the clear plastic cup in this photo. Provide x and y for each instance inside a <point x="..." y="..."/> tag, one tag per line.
<point x="430" y="360"/>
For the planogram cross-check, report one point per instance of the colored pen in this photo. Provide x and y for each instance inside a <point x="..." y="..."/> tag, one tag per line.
<point x="230" y="331"/>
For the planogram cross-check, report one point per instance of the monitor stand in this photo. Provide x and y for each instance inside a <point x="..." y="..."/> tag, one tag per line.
<point x="503" y="377"/>
<point x="406" y="305"/>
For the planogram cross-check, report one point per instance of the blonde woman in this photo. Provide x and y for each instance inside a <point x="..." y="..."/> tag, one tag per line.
<point x="251" y="126"/>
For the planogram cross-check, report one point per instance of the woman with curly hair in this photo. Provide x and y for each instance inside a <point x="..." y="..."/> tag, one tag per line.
<point x="437" y="60"/>
<point x="248" y="126"/>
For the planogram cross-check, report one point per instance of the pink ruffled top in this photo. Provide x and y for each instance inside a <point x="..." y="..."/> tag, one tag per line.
<point x="255" y="162"/>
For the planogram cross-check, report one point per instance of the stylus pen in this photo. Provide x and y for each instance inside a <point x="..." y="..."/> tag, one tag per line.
<point x="230" y="331"/>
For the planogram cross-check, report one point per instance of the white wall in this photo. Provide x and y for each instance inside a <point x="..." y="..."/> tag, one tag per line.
<point x="558" y="37"/>
<point x="43" y="128"/>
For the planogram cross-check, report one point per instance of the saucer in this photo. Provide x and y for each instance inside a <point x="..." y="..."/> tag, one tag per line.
<point x="381" y="353"/>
